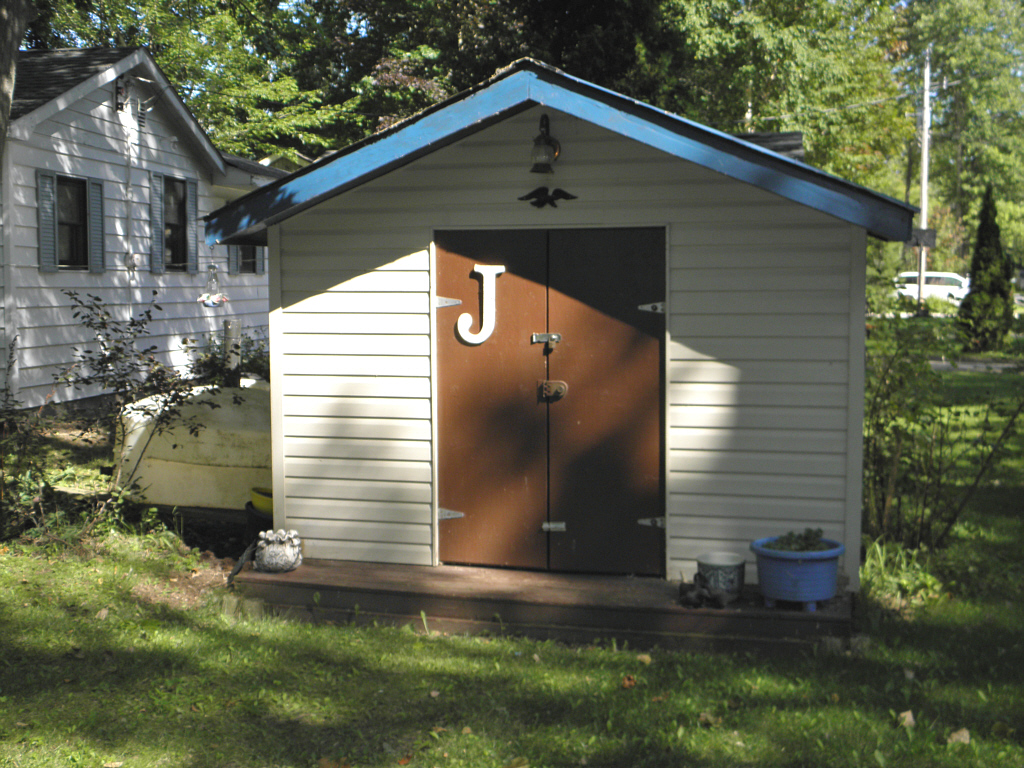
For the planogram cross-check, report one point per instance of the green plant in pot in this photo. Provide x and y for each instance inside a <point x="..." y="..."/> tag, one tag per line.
<point x="800" y="567"/>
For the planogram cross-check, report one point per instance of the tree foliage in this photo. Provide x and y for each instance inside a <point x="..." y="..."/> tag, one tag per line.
<point x="265" y="76"/>
<point x="218" y="58"/>
<point x="977" y="47"/>
<point x="986" y="313"/>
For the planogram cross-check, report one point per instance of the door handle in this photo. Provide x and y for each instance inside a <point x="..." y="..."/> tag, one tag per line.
<point x="550" y="391"/>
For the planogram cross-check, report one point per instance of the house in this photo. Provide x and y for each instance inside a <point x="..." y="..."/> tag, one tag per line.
<point x="652" y="351"/>
<point x="101" y="153"/>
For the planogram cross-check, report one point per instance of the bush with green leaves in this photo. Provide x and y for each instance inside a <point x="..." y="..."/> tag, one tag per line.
<point x="210" y="358"/>
<point x="22" y="486"/>
<point x="923" y="460"/>
<point x="124" y="366"/>
<point x="986" y="313"/>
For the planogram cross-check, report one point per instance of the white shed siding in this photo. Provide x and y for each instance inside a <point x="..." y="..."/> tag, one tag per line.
<point x="760" y="329"/>
<point x="88" y="139"/>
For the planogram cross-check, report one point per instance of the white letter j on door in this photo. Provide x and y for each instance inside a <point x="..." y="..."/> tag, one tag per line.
<point x="488" y="273"/>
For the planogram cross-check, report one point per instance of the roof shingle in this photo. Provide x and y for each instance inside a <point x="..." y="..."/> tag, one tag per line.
<point x="44" y="75"/>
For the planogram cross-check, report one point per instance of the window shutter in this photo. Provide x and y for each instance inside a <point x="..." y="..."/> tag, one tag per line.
<point x="193" y="227"/>
<point x="95" y="219"/>
<point x="261" y="260"/>
<point x="46" y="197"/>
<point x="156" y="223"/>
<point x="233" y="260"/>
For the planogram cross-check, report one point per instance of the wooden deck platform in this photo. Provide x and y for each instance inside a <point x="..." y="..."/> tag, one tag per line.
<point x="574" y="608"/>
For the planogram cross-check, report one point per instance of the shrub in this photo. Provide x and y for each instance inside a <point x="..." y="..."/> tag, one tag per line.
<point x="123" y="366"/>
<point x="986" y="313"/>
<point x="922" y="462"/>
<point x="210" y="360"/>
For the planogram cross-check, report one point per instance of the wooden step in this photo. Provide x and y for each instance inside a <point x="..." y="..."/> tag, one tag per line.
<point x="569" y="607"/>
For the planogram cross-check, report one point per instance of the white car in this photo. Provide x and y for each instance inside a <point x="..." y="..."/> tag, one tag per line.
<point x="948" y="286"/>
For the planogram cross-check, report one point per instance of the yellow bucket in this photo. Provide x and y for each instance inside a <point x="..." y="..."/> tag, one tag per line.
<point x="263" y="500"/>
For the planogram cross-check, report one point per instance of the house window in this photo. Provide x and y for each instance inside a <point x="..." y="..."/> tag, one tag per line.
<point x="173" y="213"/>
<point x="175" y="225"/>
<point x="70" y="222"/>
<point x="246" y="260"/>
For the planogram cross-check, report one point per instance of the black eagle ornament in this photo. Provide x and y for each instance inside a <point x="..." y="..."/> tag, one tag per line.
<point x="540" y="197"/>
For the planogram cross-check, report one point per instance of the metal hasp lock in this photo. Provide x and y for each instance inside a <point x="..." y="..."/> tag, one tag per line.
<point x="547" y="339"/>
<point x="553" y="390"/>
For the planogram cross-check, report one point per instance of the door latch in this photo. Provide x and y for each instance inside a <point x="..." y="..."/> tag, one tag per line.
<point x="553" y="390"/>
<point x="547" y="339"/>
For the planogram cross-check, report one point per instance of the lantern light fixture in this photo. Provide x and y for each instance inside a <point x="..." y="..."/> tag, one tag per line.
<point x="546" y="149"/>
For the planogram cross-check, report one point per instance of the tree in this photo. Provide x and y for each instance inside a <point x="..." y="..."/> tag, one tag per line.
<point x="978" y="104"/>
<point x="986" y="313"/>
<point x="222" y="57"/>
<point x="15" y="16"/>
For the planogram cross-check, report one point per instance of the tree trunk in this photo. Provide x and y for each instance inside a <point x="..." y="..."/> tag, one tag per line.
<point x="15" y="16"/>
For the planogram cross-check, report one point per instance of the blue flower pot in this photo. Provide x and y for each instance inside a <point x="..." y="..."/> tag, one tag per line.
<point x="799" y="577"/>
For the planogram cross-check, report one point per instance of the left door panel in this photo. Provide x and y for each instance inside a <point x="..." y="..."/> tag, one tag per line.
<point x="492" y="425"/>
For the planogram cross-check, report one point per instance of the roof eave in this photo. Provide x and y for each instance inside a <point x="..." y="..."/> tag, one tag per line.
<point x="526" y="84"/>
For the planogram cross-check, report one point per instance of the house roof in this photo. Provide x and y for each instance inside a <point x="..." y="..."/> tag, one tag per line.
<point x="521" y="86"/>
<point x="50" y="81"/>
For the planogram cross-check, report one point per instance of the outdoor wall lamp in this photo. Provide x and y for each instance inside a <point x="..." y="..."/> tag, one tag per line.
<point x="546" y="149"/>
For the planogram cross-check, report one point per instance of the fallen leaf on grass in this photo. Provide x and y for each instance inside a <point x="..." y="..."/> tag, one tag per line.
<point x="113" y="765"/>
<point x="657" y="699"/>
<point x="434" y="694"/>
<point x="103" y="613"/>
<point x="963" y="736"/>
<point x="405" y="760"/>
<point x="439" y="729"/>
<point x="644" y="658"/>
<point x="707" y="720"/>
<point x="629" y="682"/>
<point x="906" y="719"/>
<point x="467" y="731"/>
<point x="518" y="762"/>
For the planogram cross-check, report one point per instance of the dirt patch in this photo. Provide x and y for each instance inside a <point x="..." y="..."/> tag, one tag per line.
<point x="189" y="589"/>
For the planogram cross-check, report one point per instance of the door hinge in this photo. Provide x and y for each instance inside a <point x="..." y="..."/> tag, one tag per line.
<point x="652" y="522"/>
<point x="657" y="307"/>
<point x="440" y="302"/>
<point x="449" y="514"/>
<point x="554" y="527"/>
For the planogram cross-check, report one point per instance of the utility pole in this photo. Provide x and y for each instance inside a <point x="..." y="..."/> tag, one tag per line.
<point x="926" y="128"/>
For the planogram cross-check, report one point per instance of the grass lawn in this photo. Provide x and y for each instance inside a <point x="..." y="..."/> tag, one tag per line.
<point x="118" y="655"/>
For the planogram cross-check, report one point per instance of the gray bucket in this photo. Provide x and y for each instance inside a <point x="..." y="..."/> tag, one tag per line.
<point x="723" y="570"/>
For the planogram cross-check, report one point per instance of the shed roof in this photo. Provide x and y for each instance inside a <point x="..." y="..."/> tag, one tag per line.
<point x="521" y="86"/>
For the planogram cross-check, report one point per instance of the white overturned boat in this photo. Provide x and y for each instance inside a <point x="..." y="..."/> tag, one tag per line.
<point x="218" y="467"/>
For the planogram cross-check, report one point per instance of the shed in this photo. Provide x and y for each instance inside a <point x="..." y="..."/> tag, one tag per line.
<point x="653" y="351"/>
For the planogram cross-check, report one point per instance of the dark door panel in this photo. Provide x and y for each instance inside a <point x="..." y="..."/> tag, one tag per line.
<point x="606" y="469"/>
<point x="492" y="450"/>
<point x="589" y="461"/>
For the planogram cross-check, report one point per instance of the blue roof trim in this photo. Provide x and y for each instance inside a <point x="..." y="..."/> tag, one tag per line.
<point x="521" y="86"/>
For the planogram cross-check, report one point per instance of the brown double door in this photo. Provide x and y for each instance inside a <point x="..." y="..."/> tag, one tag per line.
<point x="550" y="427"/>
